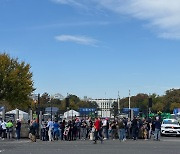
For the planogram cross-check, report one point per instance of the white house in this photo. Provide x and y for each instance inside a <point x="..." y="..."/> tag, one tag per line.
<point x="105" y="106"/>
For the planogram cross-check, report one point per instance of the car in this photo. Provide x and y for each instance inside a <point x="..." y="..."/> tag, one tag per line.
<point x="170" y="127"/>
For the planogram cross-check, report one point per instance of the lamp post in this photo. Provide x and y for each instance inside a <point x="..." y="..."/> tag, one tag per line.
<point x="119" y="108"/>
<point x="51" y="106"/>
<point x="129" y="100"/>
<point x="38" y="103"/>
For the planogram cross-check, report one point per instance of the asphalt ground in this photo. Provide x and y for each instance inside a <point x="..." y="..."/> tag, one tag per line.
<point x="167" y="145"/>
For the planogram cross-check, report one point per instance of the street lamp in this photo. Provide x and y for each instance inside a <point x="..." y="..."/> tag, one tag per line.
<point x="51" y="106"/>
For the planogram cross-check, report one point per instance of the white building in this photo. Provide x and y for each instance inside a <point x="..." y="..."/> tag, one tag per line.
<point x="105" y="106"/>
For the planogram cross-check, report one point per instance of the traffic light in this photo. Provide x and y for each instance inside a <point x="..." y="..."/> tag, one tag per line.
<point x="150" y="102"/>
<point x="67" y="102"/>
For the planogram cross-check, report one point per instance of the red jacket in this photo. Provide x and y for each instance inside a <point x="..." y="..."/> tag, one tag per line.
<point x="97" y="125"/>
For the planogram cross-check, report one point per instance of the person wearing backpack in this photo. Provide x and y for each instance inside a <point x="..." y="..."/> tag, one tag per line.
<point x="32" y="131"/>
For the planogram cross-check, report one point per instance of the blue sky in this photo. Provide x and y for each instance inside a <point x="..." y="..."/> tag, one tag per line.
<point x="95" y="48"/>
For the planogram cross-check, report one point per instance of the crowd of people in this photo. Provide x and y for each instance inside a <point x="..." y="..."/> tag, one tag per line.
<point x="86" y="129"/>
<point x="7" y="129"/>
<point x="97" y="129"/>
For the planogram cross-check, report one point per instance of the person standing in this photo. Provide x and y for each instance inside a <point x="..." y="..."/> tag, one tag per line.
<point x="83" y="129"/>
<point x="74" y="130"/>
<point x="157" y="129"/>
<point x="78" y="126"/>
<point x="134" y="128"/>
<point x="18" y="129"/>
<point x="56" y="130"/>
<point x="105" y="125"/>
<point x="129" y="128"/>
<point x="121" y="126"/>
<point x="9" y="127"/>
<point x="3" y="125"/>
<point x="88" y="127"/>
<point x="50" y="129"/>
<point x="97" y="127"/>
<point x="62" y="127"/>
<point x="113" y="130"/>
<point x="32" y="131"/>
<point x="43" y="131"/>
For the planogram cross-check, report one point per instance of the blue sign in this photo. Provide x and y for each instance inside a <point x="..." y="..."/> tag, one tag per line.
<point x="126" y="110"/>
<point x="86" y="111"/>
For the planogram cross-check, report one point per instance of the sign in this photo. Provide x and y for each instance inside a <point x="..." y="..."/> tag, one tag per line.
<point x="135" y="111"/>
<point x="86" y="111"/>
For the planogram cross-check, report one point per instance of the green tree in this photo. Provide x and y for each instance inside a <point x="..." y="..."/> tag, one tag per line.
<point x="114" y="109"/>
<point x="172" y="96"/>
<point x="174" y="105"/>
<point x="16" y="82"/>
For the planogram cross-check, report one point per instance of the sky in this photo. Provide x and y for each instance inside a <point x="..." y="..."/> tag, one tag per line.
<point x="95" y="48"/>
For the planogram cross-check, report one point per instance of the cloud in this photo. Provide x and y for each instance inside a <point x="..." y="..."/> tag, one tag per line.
<point x="70" y="2"/>
<point x="163" y="16"/>
<point x="77" y="39"/>
<point x="73" y="24"/>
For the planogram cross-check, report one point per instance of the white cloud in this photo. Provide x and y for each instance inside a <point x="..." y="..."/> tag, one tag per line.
<point x="163" y="16"/>
<point x="77" y="39"/>
<point x="70" y="2"/>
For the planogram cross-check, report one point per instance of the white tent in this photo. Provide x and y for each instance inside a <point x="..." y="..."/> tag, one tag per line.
<point x="22" y="115"/>
<point x="71" y="113"/>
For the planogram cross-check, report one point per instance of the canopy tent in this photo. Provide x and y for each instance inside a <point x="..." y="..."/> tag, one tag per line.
<point x="71" y="113"/>
<point x="22" y="115"/>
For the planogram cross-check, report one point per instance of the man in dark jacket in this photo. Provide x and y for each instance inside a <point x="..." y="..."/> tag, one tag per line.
<point x="134" y="128"/>
<point x="121" y="125"/>
<point x="157" y="129"/>
<point x="18" y="129"/>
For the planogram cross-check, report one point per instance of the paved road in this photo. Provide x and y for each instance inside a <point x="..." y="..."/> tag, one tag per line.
<point x="167" y="145"/>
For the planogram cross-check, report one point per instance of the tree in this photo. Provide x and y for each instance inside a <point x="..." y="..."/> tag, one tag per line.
<point x="114" y="109"/>
<point x="174" y="105"/>
<point x="16" y="82"/>
<point x="75" y="103"/>
<point x="172" y="96"/>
